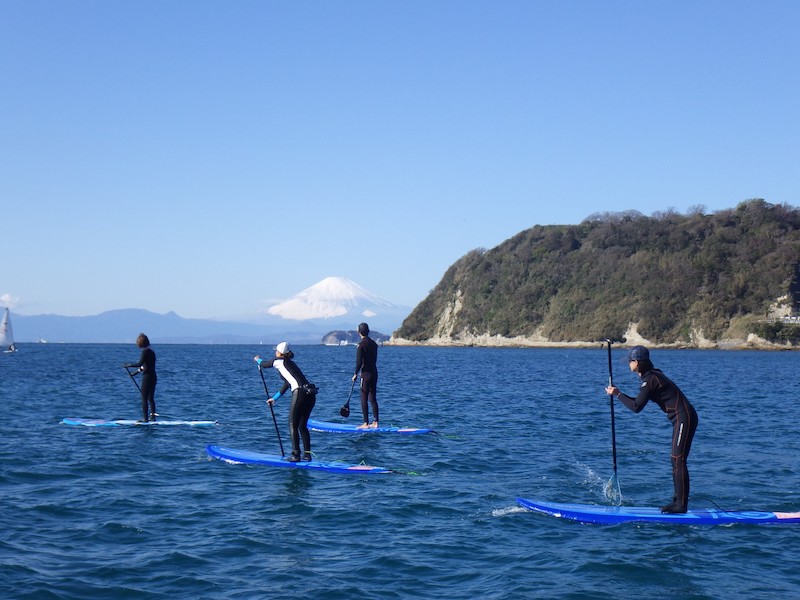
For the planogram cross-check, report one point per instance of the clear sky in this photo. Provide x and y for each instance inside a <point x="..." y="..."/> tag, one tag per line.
<point x="215" y="157"/>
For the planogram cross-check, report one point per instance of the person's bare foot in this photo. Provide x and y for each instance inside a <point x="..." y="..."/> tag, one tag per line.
<point x="373" y="425"/>
<point x="363" y="426"/>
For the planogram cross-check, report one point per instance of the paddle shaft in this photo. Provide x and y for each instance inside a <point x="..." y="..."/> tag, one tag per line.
<point x="131" y="375"/>
<point x="274" y="420"/>
<point x="611" y="404"/>
<point x="347" y="404"/>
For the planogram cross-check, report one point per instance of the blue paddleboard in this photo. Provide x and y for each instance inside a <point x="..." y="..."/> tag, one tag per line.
<point x="246" y="457"/>
<point x="123" y="422"/>
<point x="608" y="515"/>
<point x="329" y="427"/>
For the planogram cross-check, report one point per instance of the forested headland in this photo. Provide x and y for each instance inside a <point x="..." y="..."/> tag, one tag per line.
<point x="699" y="280"/>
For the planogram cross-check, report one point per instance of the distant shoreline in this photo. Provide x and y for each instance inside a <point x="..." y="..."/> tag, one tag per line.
<point x="752" y="342"/>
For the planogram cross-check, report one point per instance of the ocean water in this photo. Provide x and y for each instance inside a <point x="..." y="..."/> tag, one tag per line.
<point x="133" y="512"/>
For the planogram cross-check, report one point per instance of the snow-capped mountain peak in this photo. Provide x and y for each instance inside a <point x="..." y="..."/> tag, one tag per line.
<point x="332" y="297"/>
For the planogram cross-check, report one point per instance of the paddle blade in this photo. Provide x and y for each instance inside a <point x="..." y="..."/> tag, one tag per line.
<point x="345" y="411"/>
<point x="612" y="491"/>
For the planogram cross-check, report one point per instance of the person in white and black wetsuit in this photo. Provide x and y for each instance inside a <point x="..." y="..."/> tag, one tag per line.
<point x="304" y="398"/>
<point x="657" y="387"/>
<point x="147" y="367"/>
<point x="367" y="364"/>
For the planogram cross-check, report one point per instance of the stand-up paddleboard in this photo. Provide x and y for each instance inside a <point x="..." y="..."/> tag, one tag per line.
<point x="329" y="427"/>
<point x="608" y="515"/>
<point x="246" y="457"/>
<point x="123" y="422"/>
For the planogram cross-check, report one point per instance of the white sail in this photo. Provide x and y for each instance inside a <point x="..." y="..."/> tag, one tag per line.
<point x="6" y="334"/>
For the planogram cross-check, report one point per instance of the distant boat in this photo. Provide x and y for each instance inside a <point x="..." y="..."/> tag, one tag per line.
<point x="7" y="335"/>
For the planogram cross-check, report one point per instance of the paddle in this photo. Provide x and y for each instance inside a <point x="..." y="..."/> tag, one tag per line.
<point x="274" y="420"/>
<point x="611" y="489"/>
<point x="345" y="410"/>
<point x="132" y="376"/>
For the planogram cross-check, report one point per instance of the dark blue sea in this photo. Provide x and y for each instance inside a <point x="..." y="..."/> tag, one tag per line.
<point x="135" y="512"/>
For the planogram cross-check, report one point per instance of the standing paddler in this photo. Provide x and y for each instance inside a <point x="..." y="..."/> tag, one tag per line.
<point x="657" y="387"/>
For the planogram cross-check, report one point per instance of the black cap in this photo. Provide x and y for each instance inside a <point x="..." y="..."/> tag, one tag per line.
<point x="639" y="353"/>
<point x="363" y="329"/>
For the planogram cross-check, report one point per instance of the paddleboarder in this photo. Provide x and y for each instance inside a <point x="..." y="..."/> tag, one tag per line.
<point x="657" y="387"/>
<point x="304" y="397"/>
<point x="367" y="364"/>
<point x="147" y="367"/>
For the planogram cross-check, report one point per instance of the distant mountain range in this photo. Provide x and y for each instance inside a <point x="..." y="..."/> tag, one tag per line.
<point x="335" y="303"/>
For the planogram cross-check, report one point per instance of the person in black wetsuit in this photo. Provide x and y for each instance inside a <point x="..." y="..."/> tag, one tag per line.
<point x="304" y="397"/>
<point x="367" y="363"/>
<point x="147" y="367"/>
<point x="657" y="387"/>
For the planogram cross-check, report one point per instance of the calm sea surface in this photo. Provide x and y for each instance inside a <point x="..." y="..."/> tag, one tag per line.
<point x="133" y="512"/>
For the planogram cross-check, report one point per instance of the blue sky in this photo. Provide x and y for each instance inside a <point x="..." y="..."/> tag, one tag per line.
<point x="214" y="157"/>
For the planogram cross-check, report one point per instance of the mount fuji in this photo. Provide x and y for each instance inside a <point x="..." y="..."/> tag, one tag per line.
<point x="338" y="302"/>
<point x="334" y="303"/>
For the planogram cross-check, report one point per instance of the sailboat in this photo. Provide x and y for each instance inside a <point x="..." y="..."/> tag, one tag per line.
<point x="7" y="335"/>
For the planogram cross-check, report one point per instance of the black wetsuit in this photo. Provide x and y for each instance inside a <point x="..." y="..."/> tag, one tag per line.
<point x="367" y="363"/>
<point x="147" y="362"/>
<point x="660" y="389"/>
<point x="303" y="401"/>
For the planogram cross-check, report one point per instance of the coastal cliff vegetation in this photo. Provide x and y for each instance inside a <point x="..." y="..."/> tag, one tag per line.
<point x="695" y="279"/>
